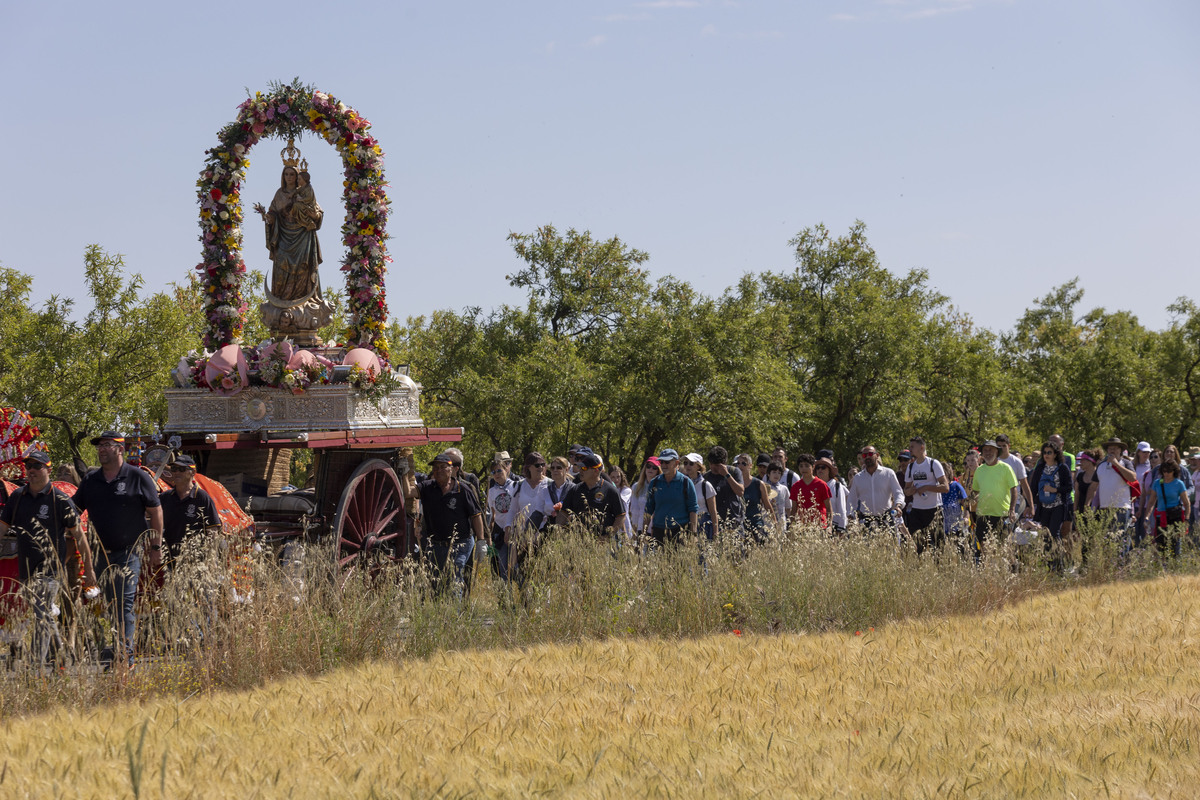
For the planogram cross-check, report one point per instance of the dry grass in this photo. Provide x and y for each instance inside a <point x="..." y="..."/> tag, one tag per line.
<point x="1091" y="692"/>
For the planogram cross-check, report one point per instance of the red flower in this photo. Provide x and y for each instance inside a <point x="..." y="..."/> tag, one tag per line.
<point x="858" y="633"/>
<point x="736" y="632"/>
<point x="215" y="193"/>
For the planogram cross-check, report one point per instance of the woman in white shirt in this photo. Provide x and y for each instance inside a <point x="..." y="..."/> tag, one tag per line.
<point x="640" y="491"/>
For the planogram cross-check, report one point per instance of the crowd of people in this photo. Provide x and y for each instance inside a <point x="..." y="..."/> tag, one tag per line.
<point x="130" y="519"/>
<point x="927" y="503"/>
<point x="1138" y="494"/>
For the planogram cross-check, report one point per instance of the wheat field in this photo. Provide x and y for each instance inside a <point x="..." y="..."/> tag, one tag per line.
<point x="1088" y="693"/>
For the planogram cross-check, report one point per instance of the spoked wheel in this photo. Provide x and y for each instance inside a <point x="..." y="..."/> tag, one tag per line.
<point x="369" y="525"/>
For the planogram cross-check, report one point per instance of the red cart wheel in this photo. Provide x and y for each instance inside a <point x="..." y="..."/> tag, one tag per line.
<point x="369" y="524"/>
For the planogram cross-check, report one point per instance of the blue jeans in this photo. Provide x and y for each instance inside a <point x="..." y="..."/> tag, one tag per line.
<point x="43" y="595"/>
<point x="122" y="568"/>
<point x="446" y="553"/>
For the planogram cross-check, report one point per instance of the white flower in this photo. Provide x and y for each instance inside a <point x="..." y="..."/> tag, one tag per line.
<point x="224" y="215"/>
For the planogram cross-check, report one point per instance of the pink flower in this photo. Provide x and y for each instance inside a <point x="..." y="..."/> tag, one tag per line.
<point x="258" y="128"/>
<point x="227" y="382"/>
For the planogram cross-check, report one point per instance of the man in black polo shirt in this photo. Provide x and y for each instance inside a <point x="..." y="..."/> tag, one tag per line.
<point x="187" y="509"/>
<point x="118" y="498"/>
<point x="453" y="521"/>
<point x="46" y="525"/>
<point x="596" y="500"/>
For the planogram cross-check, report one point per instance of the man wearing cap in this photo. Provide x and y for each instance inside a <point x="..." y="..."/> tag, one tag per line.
<point x="119" y="498"/>
<point x="924" y="484"/>
<point x="187" y="509"/>
<point x="671" y="502"/>
<point x="875" y="495"/>
<point x="995" y="485"/>
<point x="453" y="521"/>
<point x="594" y="499"/>
<point x="46" y="526"/>
<point x="1112" y="484"/>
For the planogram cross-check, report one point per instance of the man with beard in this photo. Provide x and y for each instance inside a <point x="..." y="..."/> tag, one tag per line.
<point x="875" y="495"/>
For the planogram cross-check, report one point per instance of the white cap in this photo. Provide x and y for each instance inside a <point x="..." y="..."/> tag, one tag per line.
<point x="695" y="458"/>
<point x="1144" y="447"/>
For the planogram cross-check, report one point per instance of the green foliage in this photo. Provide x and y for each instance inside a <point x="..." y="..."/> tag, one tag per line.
<point x="78" y="378"/>
<point x="838" y="352"/>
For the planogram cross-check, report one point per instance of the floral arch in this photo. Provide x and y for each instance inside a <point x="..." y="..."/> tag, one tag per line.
<point x="288" y="111"/>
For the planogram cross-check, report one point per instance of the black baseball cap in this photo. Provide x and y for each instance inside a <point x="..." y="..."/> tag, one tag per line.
<point x="588" y="459"/>
<point x="441" y="458"/>
<point x="187" y="462"/>
<point x="119" y="438"/>
<point x="763" y="460"/>
<point x="40" y="456"/>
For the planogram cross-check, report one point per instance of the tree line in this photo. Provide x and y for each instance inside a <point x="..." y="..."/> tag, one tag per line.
<point x="836" y="352"/>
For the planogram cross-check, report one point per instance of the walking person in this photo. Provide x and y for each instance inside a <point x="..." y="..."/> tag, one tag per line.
<point x="811" y="498"/>
<point x="453" y="523"/>
<point x="501" y="510"/>
<point x="875" y="495"/>
<point x="729" y="483"/>
<point x="924" y="484"/>
<point x="46" y="525"/>
<point x="996" y="488"/>
<point x="759" y="518"/>
<point x="706" y="494"/>
<point x="671" y="507"/>
<point x="1051" y="480"/>
<point x="122" y="504"/>
<point x="640" y="491"/>
<point x="560" y="483"/>
<point x="188" y="511"/>
<point x="1169" y="499"/>
<point x="826" y="470"/>
<point x="1115" y="479"/>
<point x="1024" y="505"/>
<point x="596" y="502"/>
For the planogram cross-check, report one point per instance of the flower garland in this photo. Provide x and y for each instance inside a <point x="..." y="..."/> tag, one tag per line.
<point x="289" y="110"/>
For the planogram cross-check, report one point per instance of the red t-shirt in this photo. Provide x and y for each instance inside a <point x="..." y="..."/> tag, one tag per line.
<point x="810" y="497"/>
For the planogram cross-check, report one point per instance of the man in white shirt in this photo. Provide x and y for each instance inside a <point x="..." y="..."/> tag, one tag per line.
<point x="1018" y="468"/>
<point x="1112" y="483"/>
<point x="924" y="484"/>
<point x="875" y="493"/>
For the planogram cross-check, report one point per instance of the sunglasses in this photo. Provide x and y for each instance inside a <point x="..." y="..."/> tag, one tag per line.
<point x="35" y="465"/>
<point x="498" y="471"/>
<point x="538" y="466"/>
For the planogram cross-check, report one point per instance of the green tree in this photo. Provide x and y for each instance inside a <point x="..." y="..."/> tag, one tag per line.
<point x="79" y="378"/>
<point x="854" y="339"/>
<point x="1087" y="377"/>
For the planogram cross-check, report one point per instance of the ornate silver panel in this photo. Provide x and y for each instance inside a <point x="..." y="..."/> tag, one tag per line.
<point x="334" y="407"/>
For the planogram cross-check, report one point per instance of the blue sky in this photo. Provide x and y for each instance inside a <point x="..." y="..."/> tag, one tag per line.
<point x="1004" y="146"/>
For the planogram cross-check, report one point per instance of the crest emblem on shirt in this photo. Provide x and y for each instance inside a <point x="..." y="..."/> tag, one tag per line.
<point x="191" y="511"/>
<point x="452" y="503"/>
<point x="121" y="487"/>
<point x="599" y="496"/>
<point x="43" y="512"/>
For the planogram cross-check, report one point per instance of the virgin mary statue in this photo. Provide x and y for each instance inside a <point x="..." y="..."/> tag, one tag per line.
<point x="294" y="305"/>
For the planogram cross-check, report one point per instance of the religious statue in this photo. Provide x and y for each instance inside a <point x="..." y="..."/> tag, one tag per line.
<point x="294" y="306"/>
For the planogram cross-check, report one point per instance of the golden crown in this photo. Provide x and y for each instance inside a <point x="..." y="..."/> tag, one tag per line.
<point x="291" y="156"/>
